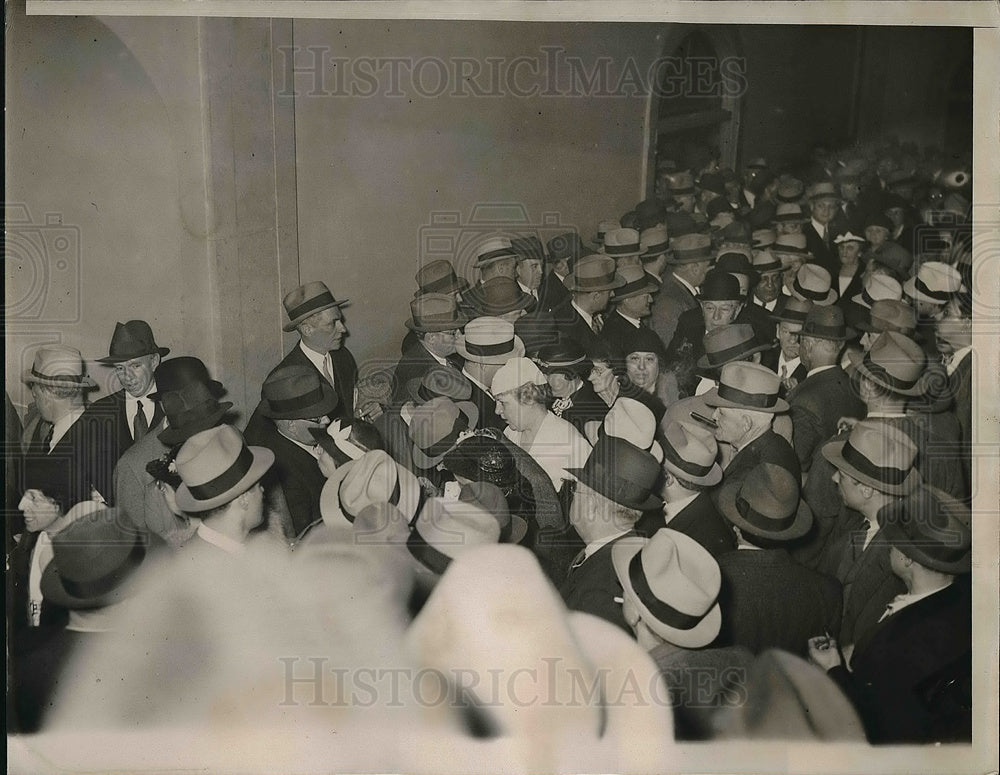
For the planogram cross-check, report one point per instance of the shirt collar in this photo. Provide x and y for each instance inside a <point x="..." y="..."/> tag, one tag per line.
<point x="685" y="283"/>
<point x="223" y="542"/>
<point x="315" y="358"/>
<point x="899" y="602"/>
<point x="593" y="546"/>
<point x="673" y="508"/>
<point x="587" y="317"/>
<point x="477" y="383"/>
<point x="819" y="227"/>
<point x="634" y="321"/>
<point x="435" y="356"/>
<point x="63" y="424"/>
<point x="819" y="369"/>
<point x="957" y="358"/>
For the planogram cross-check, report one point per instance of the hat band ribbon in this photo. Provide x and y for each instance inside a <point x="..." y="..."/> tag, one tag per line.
<point x="427" y="394"/>
<point x="660" y="247"/>
<point x="880" y="372"/>
<point x="307" y="307"/>
<point x="692" y="252"/>
<point x="439" y="448"/>
<point x="762" y="521"/>
<point x="921" y="286"/>
<point x="178" y="418"/>
<point x="632" y="287"/>
<point x="426" y="554"/>
<point x="447" y="282"/>
<point x="814" y="295"/>
<point x="853" y="457"/>
<point x="776" y="248"/>
<point x="451" y="316"/>
<point x="491" y="254"/>
<point x="78" y="378"/>
<point x="773" y="266"/>
<point x="760" y="400"/>
<point x="620" y="250"/>
<point x="226" y="480"/>
<point x="562" y="364"/>
<point x="311" y="398"/>
<point x="502" y="348"/>
<point x="791" y="316"/>
<point x="103" y="584"/>
<point x="788" y="200"/>
<point x="835" y="332"/>
<point x="393" y="501"/>
<point x="664" y="612"/>
<point x="722" y="356"/>
<point x="594" y="282"/>
<point x="693" y="469"/>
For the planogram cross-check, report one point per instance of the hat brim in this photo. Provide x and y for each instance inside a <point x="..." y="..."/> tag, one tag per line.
<point x="292" y="324"/>
<point x="895" y="536"/>
<point x="54" y="592"/>
<point x="493" y="360"/>
<point x="461" y="285"/>
<point x="651" y="502"/>
<point x="263" y="459"/>
<point x="86" y="382"/>
<point x="910" y="289"/>
<point x="711" y="398"/>
<point x="830" y="298"/>
<point x="172" y="436"/>
<point x="617" y="282"/>
<point x="649" y="287"/>
<point x="833" y="451"/>
<point x="713" y="477"/>
<point x="421" y="460"/>
<point x="413" y="389"/>
<point x="703" y="363"/>
<point x="322" y="407"/>
<point x="672" y="258"/>
<point x="702" y="634"/>
<point x="446" y="325"/>
<point x="857" y="360"/>
<point x="728" y="494"/>
<point x="111" y="360"/>
<point x="215" y="387"/>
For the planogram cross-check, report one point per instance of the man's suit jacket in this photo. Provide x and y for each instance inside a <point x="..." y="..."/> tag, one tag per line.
<point x="770" y="358"/>
<point x="817" y="403"/>
<point x="593" y="586"/>
<point x="961" y="388"/>
<point x="770" y="601"/>
<point x="571" y="325"/>
<point x="552" y="292"/>
<point x="844" y="301"/>
<point x="938" y="439"/>
<point x="298" y="473"/>
<point x="699" y="520"/>
<point x="90" y="445"/>
<point x="669" y="302"/>
<point x="769" y="447"/>
<point x="824" y="255"/>
<point x="586" y="407"/>
<point x="618" y="333"/>
<point x="113" y="406"/>
<point x="487" y="406"/>
<point x="912" y="678"/>
<point x="416" y="362"/>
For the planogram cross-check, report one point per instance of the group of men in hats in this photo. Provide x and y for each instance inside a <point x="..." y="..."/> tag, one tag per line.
<point x="797" y="508"/>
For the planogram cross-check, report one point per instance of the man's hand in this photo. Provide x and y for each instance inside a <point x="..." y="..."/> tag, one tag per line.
<point x="823" y="652"/>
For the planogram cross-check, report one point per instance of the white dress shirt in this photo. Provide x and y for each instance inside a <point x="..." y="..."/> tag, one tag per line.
<point x="132" y="408"/>
<point x="61" y="426"/>
<point x="899" y="602"/>
<point x="223" y="542"/>
<point x="324" y="363"/>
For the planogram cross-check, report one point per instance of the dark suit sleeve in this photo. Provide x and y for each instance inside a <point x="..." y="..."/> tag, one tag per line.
<point x="807" y="432"/>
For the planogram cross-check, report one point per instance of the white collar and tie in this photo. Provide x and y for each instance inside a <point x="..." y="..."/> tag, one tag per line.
<point x="139" y="425"/>
<point x="322" y="362"/>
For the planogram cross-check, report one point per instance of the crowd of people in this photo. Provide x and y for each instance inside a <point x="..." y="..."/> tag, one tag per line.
<point x="727" y="437"/>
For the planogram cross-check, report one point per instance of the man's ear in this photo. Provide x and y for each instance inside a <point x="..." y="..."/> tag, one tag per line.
<point x="867" y="491"/>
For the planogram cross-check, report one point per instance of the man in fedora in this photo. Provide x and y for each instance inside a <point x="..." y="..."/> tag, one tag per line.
<point x="590" y="287"/>
<point x="530" y="264"/>
<point x="436" y="276"/>
<point x="825" y="395"/>
<point x="745" y="405"/>
<point x="563" y="252"/>
<point x="824" y="206"/>
<point x="631" y="303"/>
<point x="190" y="401"/>
<point x="655" y="250"/>
<point x="769" y="600"/>
<point x="767" y="288"/>
<point x="736" y="261"/>
<point x="687" y="262"/>
<point x="791" y="251"/>
<point x="790" y="315"/>
<point x="953" y="334"/>
<point x="726" y="344"/>
<point x="623" y="245"/>
<point x="134" y="356"/>
<point x="59" y="383"/>
<point x="437" y="323"/>
<point x="295" y="400"/>
<point x="501" y="297"/>
<point x="220" y="483"/>
<point x="911" y="678"/>
<point x="690" y="471"/>
<point x="612" y="490"/>
<point x="488" y="344"/>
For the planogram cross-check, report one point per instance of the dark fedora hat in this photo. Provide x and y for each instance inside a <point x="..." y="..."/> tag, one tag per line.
<point x="566" y="246"/>
<point x="637" y="282"/>
<point x="594" y="273"/>
<point x="827" y="322"/>
<point x="178" y="373"/>
<point x="931" y="528"/>
<point x="529" y="247"/>
<point x="439" y="381"/>
<point x="731" y="342"/>
<point x="190" y="409"/>
<point x="132" y="340"/>
<point x="93" y="558"/>
<point x="720" y="285"/>
<point x="498" y="296"/>
<point x="307" y="300"/>
<point x="296" y="393"/>
<point x="622" y="473"/>
<point x="565" y="356"/>
<point x="766" y="504"/>
<point x="791" y="309"/>
<point x="435" y="312"/>
<point x="439" y="277"/>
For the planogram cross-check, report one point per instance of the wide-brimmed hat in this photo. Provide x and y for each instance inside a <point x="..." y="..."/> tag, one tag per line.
<point x="848" y="236"/>
<point x="789" y="212"/>
<point x="791" y="244"/>
<point x="446" y="528"/>
<point x="763" y="238"/>
<point x="731" y="342"/>
<point x="94" y="558"/>
<point x="528" y="248"/>
<point x="633" y="421"/>
<point x="720" y="285"/>
<point x="178" y="373"/>
<point x="718" y="206"/>
<point x="439" y="276"/>
<point x="876" y="288"/>
<point x="649" y="213"/>
<point x="827" y="323"/>
<point x="215" y="466"/>
<point x="190" y="409"/>
<point x="790" y="190"/>
<point x="890" y="315"/>
<point x="436" y="426"/>
<point x="566" y="246"/>
<point x="609" y="224"/>
<point x="622" y="473"/>
<point x="931" y="528"/>
<point x="514" y="373"/>
<point x="621" y="242"/>
<point x="492" y="250"/>
<point x="688" y="248"/>
<point x="373" y="478"/>
<point x="791" y="309"/>
<point x="439" y="381"/>
<point x="764" y="261"/>
<point x="823" y="190"/>
<point x="766" y="504"/>
<point x="745" y="385"/>
<point x="879" y="219"/>
<point x="813" y="282"/>
<point x="336" y="441"/>
<point x="654" y="242"/>
<point x="296" y="393"/>
<point x="935" y="283"/>
<point x="435" y="312"/>
<point x="132" y="340"/>
<point x="594" y="273"/>
<point x="498" y="296"/>
<point x="896" y="363"/>
<point x="680" y="183"/>
<point x="57" y="365"/>
<point x="490" y="340"/>
<point x="308" y="299"/>
<point x="637" y="282"/>
<point x="877" y="454"/>
<point x="565" y="356"/>
<point x="690" y="452"/>
<point x="675" y="584"/>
